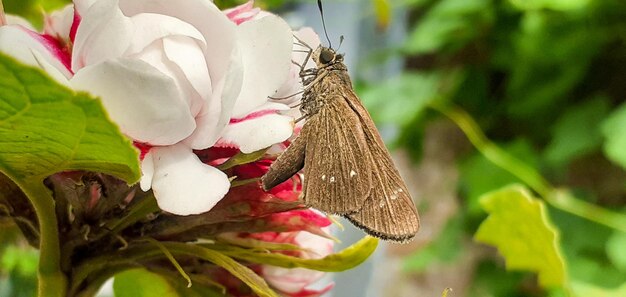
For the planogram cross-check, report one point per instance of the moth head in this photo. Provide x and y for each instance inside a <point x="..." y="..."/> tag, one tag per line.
<point x="325" y="56"/>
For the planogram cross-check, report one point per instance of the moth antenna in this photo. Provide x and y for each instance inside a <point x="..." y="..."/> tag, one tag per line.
<point x="319" y="5"/>
<point x="340" y="42"/>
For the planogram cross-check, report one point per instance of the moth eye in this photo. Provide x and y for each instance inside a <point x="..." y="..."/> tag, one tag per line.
<point x="326" y="56"/>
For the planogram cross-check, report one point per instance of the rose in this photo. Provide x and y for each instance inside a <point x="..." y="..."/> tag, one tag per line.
<point x="175" y="76"/>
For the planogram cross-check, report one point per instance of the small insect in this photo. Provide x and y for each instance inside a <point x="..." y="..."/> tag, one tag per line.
<point x="348" y="170"/>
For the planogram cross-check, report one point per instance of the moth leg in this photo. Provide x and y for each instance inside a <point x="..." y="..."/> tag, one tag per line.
<point x="286" y="97"/>
<point x="302" y="43"/>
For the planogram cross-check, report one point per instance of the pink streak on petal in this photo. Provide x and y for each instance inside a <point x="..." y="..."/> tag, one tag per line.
<point x="144" y="148"/>
<point x="53" y="46"/>
<point x="254" y="115"/>
<point x="75" y="24"/>
<point x="311" y="293"/>
<point x="242" y="13"/>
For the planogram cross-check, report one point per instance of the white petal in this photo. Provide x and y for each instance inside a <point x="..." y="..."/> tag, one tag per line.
<point x="59" y="23"/>
<point x="182" y="184"/>
<point x="217" y="29"/>
<point x="104" y="33"/>
<point x="189" y="59"/>
<point x="148" y="27"/>
<point x="147" y="172"/>
<point x="216" y="113"/>
<point x="140" y="99"/>
<point x="32" y="49"/>
<point x="261" y="129"/>
<point x="266" y="46"/>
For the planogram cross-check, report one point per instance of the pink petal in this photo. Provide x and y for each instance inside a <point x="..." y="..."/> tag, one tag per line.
<point x="143" y="101"/>
<point x="266" y="46"/>
<point x="182" y="184"/>
<point x="262" y="129"/>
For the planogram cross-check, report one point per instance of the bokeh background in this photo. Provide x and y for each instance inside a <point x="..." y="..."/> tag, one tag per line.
<point x="472" y="96"/>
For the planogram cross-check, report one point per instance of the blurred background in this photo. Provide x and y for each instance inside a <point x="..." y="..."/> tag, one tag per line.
<point x="472" y="96"/>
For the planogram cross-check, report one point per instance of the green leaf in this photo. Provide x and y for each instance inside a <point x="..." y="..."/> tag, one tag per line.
<point x="451" y="24"/>
<point x="245" y="274"/>
<point x="46" y="128"/>
<point x="541" y="72"/>
<point x="576" y="132"/>
<point x="32" y="10"/>
<point x="349" y="258"/>
<point x="411" y="92"/>
<point x="142" y="283"/>
<point x="562" y="5"/>
<point x="23" y="260"/>
<point x="241" y="158"/>
<point x="616" y="250"/>
<point x="614" y="130"/>
<point x="519" y="226"/>
<point x="479" y="175"/>
<point x="589" y="290"/>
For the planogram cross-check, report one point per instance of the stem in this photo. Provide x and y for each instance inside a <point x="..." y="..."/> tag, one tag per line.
<point x="558" y="199"/>
<point x="52" y="281"/>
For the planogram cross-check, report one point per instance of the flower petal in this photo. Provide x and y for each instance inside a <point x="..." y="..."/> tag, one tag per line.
<point x="266" y="46"/>
<point x="148" y="27"/>
<point x="260" y="129"/>
<point x="216" y="113"/>
<point x="144" y="102"/>
<point x="104" y="33"/>
<point x="182" y="184"/>
<point x="202" y="15"/>
<point x="59" y="23"/>
<point x="147" y="172"/>
<point x="33" y="49"/>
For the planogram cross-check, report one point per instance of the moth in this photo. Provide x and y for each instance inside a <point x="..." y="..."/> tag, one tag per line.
<point x="347" y="168"/>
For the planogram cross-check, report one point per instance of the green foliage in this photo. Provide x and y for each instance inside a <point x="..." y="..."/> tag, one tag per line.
<point x="46" y="128"/>
<point x="518" y="225"/>
<point x="577" y="132"/>
<point x="616" y="250"/>
<point x="479" y="175"/>
<point x="614" y="130"/>
<point x="449" y="25"/>
<point x="348" y="258"/>
<point x="20" y="265"/>
<point x="400" y="99"/>
<point x="444" y="249"/>
<point x="142" y="283"/>
<point x="589" y="290"/>
<point x="544" y="80"/>
<point x="33" y="10"/>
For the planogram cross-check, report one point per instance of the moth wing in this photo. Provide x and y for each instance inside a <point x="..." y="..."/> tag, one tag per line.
<point x="287" y="164"/>
<point x="337" y="178"/>
<point x="389" y="212"/>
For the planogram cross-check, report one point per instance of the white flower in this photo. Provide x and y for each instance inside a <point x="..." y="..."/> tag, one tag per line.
<point x="175" y="75"/>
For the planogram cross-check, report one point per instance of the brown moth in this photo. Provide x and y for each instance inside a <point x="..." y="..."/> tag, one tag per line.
<point x="347" y="168"/>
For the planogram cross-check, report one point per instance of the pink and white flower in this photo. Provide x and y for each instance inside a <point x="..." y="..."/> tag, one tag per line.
<point x="176" y="76"/>
<point x="296" y="282"/>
